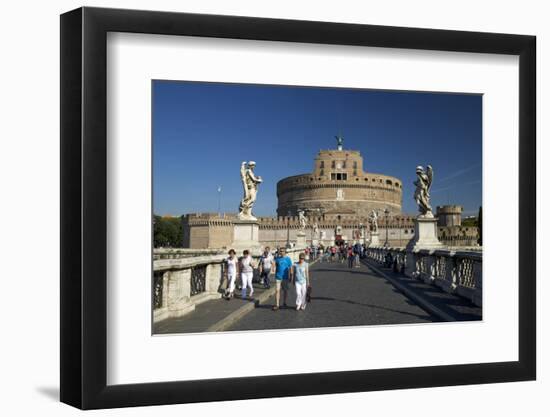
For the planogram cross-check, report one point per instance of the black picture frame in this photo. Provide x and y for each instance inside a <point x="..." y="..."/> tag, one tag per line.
<point x="84" y="207"/>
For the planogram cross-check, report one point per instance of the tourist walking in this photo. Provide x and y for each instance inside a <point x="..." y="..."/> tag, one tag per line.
<point x="267" y="266"/>
<point x="247" y="272"/>
<point x="350" y="256"/>
<point x="231" y="270"/>
<point x="356" y="253"/>
<point x="283" y="274"/>
<point x="333" y="254"/>
<point x="301" y="281"/>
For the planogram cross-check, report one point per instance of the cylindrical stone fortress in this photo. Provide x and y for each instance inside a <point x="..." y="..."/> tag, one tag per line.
<point x="338" y="183"/>
<point x="450" y="215"/>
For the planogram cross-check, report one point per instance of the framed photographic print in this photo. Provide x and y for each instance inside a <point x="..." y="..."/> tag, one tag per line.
<point x="237" y="187"/>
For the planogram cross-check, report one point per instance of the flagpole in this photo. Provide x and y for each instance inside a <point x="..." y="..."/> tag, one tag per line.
<point x="219" y="200"/>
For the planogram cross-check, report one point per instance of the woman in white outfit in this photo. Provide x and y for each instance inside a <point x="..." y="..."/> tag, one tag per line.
<point x="232" y="264"/>
<point x="301" y="280"/>
<point x="247" y="271"/>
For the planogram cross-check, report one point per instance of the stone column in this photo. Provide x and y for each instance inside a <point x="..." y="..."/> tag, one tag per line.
<point x="301" y="239"/>
<point x="375" y="239"/>
<point x="179" y="293"/>
<point x="213" y="278"/>
<point x="425" y="234"/>
<point x="245" y="236"/>
<point x="410" y="264"/>
<point x="477" y="298"/>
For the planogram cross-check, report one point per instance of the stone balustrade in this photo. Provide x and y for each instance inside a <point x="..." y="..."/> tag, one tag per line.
<point x="177" y="253"/>
<point x="454" y="271"/>
<point x="184" y="278"/>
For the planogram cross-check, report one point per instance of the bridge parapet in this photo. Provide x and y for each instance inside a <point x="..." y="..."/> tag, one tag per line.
<point x="179" y="253"/>
<point x="454" y="271"/>
<point x="184" y="278"/>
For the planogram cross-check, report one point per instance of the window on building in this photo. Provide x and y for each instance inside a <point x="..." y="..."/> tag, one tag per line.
<point x="322" y="164"/>
<point x="333" y="164"/>
<point x="322" y="172"/>
<point x="339" y="176"/>
<point x="354" y="164"/>
<point x="354" y="172"/>
<point x="344" y="164"/>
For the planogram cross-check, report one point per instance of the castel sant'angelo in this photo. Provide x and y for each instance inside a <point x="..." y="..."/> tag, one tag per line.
<point x="337" y="197"/>
<point x="338" y="185"/>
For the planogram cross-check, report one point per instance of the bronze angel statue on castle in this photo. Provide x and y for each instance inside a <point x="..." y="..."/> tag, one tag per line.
<point x="423" y="184"/>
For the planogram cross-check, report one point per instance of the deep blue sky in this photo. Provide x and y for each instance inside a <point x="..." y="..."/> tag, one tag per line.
<point x="202" y="132"/>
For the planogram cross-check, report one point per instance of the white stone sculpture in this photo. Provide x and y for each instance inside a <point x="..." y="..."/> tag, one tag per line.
<point x="373" y="218"/>
<point x="315" y="229"/>
<point x="423" y="184"/>
<point x="303" y="219"/>
<point x="250" y="186"/>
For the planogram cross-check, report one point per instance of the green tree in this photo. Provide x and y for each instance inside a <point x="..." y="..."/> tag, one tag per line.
<point x="479" y="227"/>
<point x="470" y="222"/>
<point x="167" y="232"/>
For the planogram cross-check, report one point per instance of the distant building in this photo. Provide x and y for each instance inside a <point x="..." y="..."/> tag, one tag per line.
<point x="339" y="184"/>
<point x="337" y="196"/>
<point x="450" y="215"/>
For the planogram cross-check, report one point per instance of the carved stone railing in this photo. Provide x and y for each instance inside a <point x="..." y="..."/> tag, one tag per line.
<point x="178" y="253"/>
<point x="181" y="283"/>
<point x="454" y="271"/>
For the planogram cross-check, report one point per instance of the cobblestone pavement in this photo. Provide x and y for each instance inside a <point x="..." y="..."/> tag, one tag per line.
<point x="341" y="297"/>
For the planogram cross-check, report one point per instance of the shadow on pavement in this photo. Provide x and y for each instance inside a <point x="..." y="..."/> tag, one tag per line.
<point x="375" y="307"/>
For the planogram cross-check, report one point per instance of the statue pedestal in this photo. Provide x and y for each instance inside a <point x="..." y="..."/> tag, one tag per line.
<point x="425" y="234"/>
<point x="245" y="236"/>
<point x="301" y="240"/>
<point x="374" y="239"/>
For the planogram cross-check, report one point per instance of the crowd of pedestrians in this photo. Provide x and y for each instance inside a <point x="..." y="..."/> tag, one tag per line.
<point x="342" y="252"/>
<point x="284" y="271"/>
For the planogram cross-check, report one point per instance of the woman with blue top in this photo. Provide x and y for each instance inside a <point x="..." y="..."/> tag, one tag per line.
<point x="301" y="280"/>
